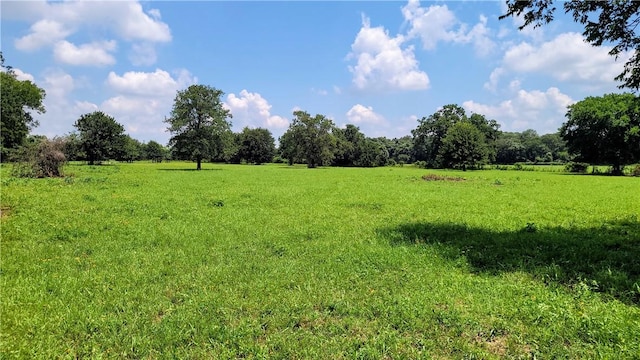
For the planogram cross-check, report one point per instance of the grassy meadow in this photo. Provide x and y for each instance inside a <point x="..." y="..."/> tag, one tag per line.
<point x="153" y="261"/>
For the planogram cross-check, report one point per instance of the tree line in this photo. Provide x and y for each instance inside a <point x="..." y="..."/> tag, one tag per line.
<point x="599" y="130"/>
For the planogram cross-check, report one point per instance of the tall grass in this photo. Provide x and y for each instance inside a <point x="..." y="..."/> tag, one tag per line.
<point x="156" y="261"/>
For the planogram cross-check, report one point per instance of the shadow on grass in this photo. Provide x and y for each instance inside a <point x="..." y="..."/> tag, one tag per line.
<point x="605" y="258"/>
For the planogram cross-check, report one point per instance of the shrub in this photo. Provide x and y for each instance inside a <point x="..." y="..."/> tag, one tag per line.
<point x="43" y="159"/>
<point x="279" y="160"/>
<point x="576" y="167"/>
<point x="636" y="171"/>
<point x="421" y="164"/>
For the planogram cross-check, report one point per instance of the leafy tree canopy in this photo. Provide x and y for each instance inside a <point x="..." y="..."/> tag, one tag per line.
<point x="154" y="151"/>
<point x="256" y="145"/>
<point x="309" y="138"/>
<point x="429" y="135"/>
<point x="17" y="100"/>
<point x="199" y="123"/>
<point x="604" y="130"/>
<point x="102" y="138"/>
<point x="464" y="146"/>
<point x="610" y="21"/>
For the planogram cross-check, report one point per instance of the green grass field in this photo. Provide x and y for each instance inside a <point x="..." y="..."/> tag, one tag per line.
<point x="236" y="261"/>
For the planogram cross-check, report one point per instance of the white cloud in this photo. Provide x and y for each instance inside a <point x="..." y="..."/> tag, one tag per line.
<point x="55" y="21"/>
<point x="143" y="99"/>
<point x="143" y="54"/>
<point x="382" y="63"/>
<point x="157" y="83"/>
<point x="134" y="24"/>
<point x="58" y="85"/>
<point x="85" y="107"/>
<point x="480" y="36"/>
<point x="44" y="32"/>
<point x="437" y="23"/>
<point x="527" y="109"/>
<point x="492" y="84"/>
<point x="23" y="10"/>
<point x="91" y="54"/>
<point x="337" y="90"/>
<point x="566" y="58"/>
<point x="61" y="112"/>
<point x="22" y="76"/>
<point x="320" y="92"/>
<point x="431" y="24"/>
<point x="155" y="13"/>
<point x="142" y="117"/>
<point x="360" y="114"/>
<point x="252" y="110"/>
<point x="140" y="101"/>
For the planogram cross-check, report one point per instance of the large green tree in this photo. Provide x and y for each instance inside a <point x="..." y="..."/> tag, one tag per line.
<point x="309" y="138"/>
<point x="101" y="136"/>
<point x="154" y="151"/>
<point x="131" y="149"/>
<point x="350" y="143"/>
<point x="605" y="22"/>
<point x="19" y="98"/>
<point x="464" y="146"/>
<point x="604" y="130"/>
<point x="199" y="123"/>
<point x="256" y="145"/>
<point x="429" y="135"/>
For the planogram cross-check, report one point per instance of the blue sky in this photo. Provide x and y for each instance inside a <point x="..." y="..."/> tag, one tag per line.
<point x="378" y="65"/>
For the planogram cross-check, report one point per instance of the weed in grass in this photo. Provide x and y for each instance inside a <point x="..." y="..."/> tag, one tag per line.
<point x="216" y="203"/>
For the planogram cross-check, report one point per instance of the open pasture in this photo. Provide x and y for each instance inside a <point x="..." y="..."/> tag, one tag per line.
<point x="159" y="261"/>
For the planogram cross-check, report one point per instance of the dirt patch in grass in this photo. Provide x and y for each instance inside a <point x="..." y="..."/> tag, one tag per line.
<point x="5" y="211"/>
<point x="435" y="177"/>
<point x="496" y="345"/>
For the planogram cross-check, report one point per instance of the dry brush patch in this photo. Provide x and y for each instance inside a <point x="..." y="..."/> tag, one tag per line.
<point x="436" y="177"/>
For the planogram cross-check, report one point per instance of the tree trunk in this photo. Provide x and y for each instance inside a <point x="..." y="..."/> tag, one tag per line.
<point x="199" y="160"/>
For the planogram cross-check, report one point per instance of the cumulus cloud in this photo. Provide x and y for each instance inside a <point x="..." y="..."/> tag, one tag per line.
<point x="22" y="76"/>
<point x="91" y="54"/>
<point x="252" y="110"/>
<point x="58" y="85"/>
<point x="61" y="111"/>
<point x="359" y="114"/>
<point x="492" y="84"/>
<point x="159" y="82"/>
<point x="143" y="54"/>
<point x="143" y="99"/>
<point x="44" y="32"/>
<point x="567" y="57"/>
<point x="527" y="109"/>
<point x="55" y="21"/>
<point x="382" y="62"/>
<point x="437" y="23"/>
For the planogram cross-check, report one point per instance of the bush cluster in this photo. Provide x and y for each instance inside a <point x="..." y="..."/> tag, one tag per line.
<point x="577" y="167"/>
<point x="42" y="159"/>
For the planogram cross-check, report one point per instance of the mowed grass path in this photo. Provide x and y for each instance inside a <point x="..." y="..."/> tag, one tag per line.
<point x="159" y="261"/>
